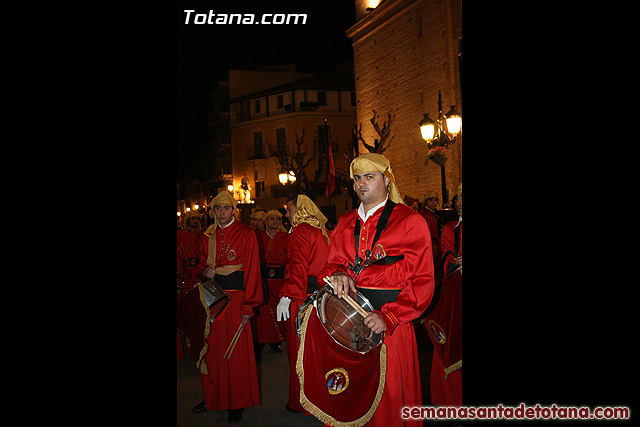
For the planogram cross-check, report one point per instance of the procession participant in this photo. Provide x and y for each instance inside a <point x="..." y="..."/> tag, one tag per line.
<point x="257" y="220"/>
<point x="309" y="244"/>
<point x="428" y="211"/>
<point x="191" y="252"/>
<point x="451" y="238"/>
<point x="397" y="276"/>
<point x="191" y="258"/>
<point x="446" y="376"/>
<point x="233" y="261"/>
<point x="273" y="243"/>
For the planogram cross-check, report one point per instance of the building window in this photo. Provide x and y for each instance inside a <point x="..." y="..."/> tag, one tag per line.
<point x="322" y="98"/>
<point x="246" y="110"/>
<point x="280" y="101"/>
<point x="281" y="139"/>
<point x="257" y="105"/>
<point x="259" y="180"/>
<point x="257" y="143"/>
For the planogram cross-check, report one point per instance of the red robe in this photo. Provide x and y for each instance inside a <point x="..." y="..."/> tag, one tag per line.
<point x="406" y="234"/>
<point x="432" y="222"/>
<point x="191" y="257"/>
<point x="274" y="252"/>
<point x="446" y="392"/>
<point x="191" y="260"/>
<point x="233" y="383"/>
<point x="308" y="252"/>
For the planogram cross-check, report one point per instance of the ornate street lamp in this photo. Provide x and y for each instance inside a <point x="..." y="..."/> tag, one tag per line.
<point x="285" y="177"/>
<point x="438" y="135"/>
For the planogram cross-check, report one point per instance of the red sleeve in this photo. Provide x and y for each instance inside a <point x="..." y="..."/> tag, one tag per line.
<point x="297" y="270"/>
<point x="415" y="273"/>
<point x="252" y="280"/>
<point x="337" y="254"/>
<point x="446" y="241"/>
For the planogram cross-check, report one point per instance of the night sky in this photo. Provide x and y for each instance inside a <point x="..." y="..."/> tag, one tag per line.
<point x="206" y="51"/>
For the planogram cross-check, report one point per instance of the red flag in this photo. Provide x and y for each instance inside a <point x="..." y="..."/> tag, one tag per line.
<point x="331" y="174"/>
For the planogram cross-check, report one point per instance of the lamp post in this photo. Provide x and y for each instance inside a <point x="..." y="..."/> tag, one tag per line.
<point x="286" y="179"/>
<point x="438" y="135"/>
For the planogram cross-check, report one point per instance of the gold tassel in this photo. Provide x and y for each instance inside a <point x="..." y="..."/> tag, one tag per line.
<point x="207" y="327"/>
<point x="452" y="368"/>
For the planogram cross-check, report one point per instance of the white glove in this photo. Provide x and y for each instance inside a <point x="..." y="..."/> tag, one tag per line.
<point x="283" y="309"/>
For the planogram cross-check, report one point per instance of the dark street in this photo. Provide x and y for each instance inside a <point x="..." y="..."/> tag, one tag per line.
<point x="273" y="374"/>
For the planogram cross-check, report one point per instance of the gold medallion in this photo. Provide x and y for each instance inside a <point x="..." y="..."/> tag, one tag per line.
<point x="337" y="380"/>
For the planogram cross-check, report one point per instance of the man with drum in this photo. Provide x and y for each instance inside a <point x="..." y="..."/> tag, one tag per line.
<point x="228" y="369"/>
<point x="309" y="244"/>
<point x="395" y="275"/>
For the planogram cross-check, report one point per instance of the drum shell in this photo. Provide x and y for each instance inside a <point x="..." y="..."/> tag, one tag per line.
<point x="343" y="323"/>
<point x="215" y="297"/>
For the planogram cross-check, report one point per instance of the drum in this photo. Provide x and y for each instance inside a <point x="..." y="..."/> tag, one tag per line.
<point x="341" y="321"/>
<point x="214" y="296"/>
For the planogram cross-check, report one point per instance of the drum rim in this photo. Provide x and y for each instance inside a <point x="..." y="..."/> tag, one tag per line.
<point x="322" y="295"/>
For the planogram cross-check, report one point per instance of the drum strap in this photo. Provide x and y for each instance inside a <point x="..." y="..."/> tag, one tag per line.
<point x="211" y="259"/>
<point x="359" y="263"/>
<point x="456" y="238"/>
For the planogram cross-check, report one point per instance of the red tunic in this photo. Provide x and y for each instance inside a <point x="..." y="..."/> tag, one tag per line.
<point x="273" y="253"/>
<point x="447" y="241"/>
<point x="191" y="260"/>
<point x="406" y="234"/>
<point x="233" y="383"/>
<point x="191" y="256"/>
<point x="446" y="392"/>
<point x="308" y="252"/>
<point x="432" y="222"/>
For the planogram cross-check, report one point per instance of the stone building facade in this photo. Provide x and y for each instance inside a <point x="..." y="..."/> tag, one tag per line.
<point x="405" y="51"/>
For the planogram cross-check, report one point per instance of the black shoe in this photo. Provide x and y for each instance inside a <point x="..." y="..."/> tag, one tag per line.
<point x="275" y="346"/>
<point x="235" y="415"/>
<point x="200" y="407"/>
<point x="288" y="408"/>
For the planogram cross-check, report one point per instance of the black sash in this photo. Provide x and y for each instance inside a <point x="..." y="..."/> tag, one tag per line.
<point x="379" y="297"/>
<point x="273" y="272"/>
<point x="312" y="284"/>
<point x="234" y="280"/>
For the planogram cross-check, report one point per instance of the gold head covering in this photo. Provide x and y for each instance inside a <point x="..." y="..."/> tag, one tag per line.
<point x="279" y="215"/>
<point x="308" y="212"/>
<point x="369" y="162"/>
<point x="192" y="214"/>
<point x="430" y="194"/>
<point x="459" y="189"/>
<point x="223" y="199"/>
<point x="273" y="212"/>
<point x="258" y="214"/>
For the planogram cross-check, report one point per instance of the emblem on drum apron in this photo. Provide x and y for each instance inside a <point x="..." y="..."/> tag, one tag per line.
<point x="436" y="332"/>
<point x="231" y="255"/>
<point x="337" y="380"/>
